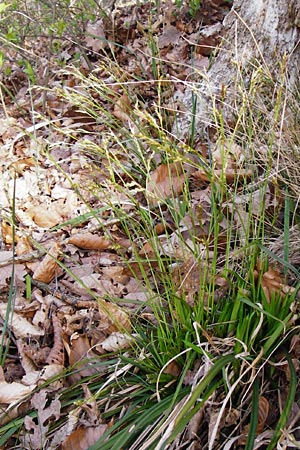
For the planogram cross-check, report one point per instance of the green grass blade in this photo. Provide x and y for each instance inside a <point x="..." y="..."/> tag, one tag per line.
<point x="137" y="421"/>
<point x="182" y="423"/>
<point x="199" y="392"/>
<point x="254" y="416"/>
<point x="276" y="334"/>
<point x="76" y="221"/>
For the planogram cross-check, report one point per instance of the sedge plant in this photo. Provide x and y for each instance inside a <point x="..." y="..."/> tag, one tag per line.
<point x="244" y="324"/>
<point x="209" y="332"/>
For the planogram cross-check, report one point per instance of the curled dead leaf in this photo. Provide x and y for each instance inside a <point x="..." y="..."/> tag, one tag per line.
<point x="272" y="283"/>
<point x="48" y="268"/>
<point x="122" y="108"/>
<point x="116" y="341"/>
<point x="12" y="392"/>
<point x="21" y="327"/>
<point x="56" y="355"/>
<point x="89" y="241"/>
<point x="80" y="354"/>
<point x="263" y="411"/>
<point x="115" y="317"/>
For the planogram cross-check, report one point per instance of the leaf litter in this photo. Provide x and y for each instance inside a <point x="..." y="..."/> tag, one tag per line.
<point x="87" y="286"/>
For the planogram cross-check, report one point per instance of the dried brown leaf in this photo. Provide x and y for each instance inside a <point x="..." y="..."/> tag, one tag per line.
<point x="89" y="241"/>
<point x="79" y="353"/>
<point x="148" y="249"/>
<point x="21" y="327"/>
<point x="173" y="369"/>
<point x="12" y="392"/>
<point x="48" y="269"/>
<point x="23" y="246"/>
<point x="7" y="232"/>
<point x="272" y="283"/>
<point x="45" y="217"/>
<point x="83" y="438"/>
<point x="56" y="355"/>
<point x="116" y="341"/>
<point x="165" y="181"/>
<point x="95" y="36"/>
<point x="122" y="108"/>
<point x="263" y="411"/>
<point x="22" y="164"/>
<point x="170" y="36"/>
<point x="116" y="318"/>
<point x="36" y="432"/>
<point x="201" y="178"/>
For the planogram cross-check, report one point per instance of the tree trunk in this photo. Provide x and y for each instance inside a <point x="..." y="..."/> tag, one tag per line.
<point x="261" y="36"/>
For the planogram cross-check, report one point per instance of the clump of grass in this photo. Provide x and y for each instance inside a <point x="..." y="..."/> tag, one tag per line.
<point x="230" y="343"/>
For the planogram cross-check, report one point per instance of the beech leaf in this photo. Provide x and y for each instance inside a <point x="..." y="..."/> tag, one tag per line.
<point x="12" y="392"/>
<point x="89" y="241"/>
<point x="165" y="181"/>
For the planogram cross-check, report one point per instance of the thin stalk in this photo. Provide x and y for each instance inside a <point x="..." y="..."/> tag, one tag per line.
<point x="198" y="391"/>
<point x="254" y="416"/>
<point x="6" y="332"/>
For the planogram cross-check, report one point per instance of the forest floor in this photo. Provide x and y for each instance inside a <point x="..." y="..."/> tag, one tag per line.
<point x="125" y="250"/>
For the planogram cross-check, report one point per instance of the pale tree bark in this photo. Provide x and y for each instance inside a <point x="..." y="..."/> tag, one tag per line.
<point x="259" y="35"/>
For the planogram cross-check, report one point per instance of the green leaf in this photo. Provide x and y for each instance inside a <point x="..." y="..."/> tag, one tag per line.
<point x="254" y="416"/>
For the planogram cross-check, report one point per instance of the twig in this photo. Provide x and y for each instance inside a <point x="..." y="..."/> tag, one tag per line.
<point x="27" y="257"/>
